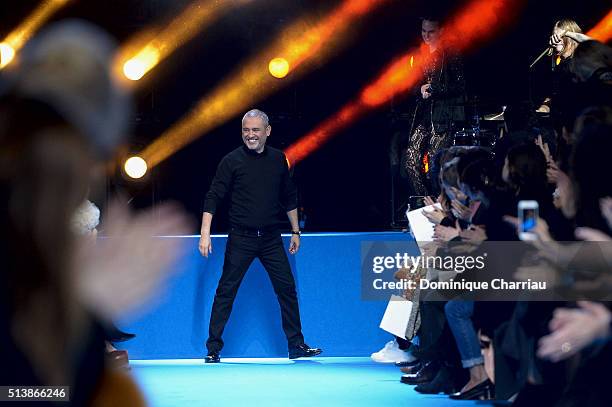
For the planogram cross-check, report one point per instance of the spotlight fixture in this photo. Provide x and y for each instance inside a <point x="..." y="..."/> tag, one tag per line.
<point x="135" y="167"/>
<point x="278" y="67"/>
<point x="7" y="53"/>
<point x="30" y="25"/>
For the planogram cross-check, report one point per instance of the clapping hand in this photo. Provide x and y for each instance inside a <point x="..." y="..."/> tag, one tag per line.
<point x="474" y="234"/>
<point x="120" y="273"/>
<point x="446" y="233"/>
<point x="545" y="150"/>
<point x="461" y="211"/>
<point x="428" y="201"/>
<point x="573" y="329"/>
<point x="435" y="216"/>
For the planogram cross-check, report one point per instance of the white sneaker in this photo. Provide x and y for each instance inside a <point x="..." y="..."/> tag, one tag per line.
<point x="391" y="353"/>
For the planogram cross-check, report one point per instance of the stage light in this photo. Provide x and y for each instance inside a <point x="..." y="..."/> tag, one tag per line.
<point x="303" y="41"/>
<point x="135" y="68"/>
<point x="425" y="163"/>
<point x="278" y="67"/>
<point x="135" y="167"/>
<point x="7" y="53"/>
<point x="476" y="22"/>
<point x="18" y="37"/>
<point x="603" y="30"/>
<point x="147" y="49"/>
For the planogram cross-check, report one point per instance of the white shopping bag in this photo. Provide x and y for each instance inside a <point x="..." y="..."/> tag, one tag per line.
<point x="397" y="316"/>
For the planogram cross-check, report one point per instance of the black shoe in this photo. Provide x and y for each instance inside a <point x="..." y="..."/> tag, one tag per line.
<point x="124" y="336"/>
<point x="411" y="369"/>
<point x="425" y="374"/>
<point x="114" y="334"/>
<point x="444" y="382"/>
<point x="303" y="351"/>
<point x="482" y="391"/>
<point x="212" y="357"/>
<point x="407" y="364"/>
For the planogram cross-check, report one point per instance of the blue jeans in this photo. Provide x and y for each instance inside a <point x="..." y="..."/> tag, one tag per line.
<point x="459" y="317"/>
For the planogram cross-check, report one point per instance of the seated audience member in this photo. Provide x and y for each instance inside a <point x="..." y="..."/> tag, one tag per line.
<point x="525" y="169"/>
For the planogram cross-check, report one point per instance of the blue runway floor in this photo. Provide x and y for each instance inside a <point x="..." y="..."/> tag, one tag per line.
<point x="331" y="381"/>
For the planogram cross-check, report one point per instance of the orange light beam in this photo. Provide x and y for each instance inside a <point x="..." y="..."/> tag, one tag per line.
<point x="19" y="36"/>
<point x="475" y="23"/>
<point x="303" y="41"/>
<point x="603" y="30"/>
<point x="300" y="48"/>
<point x="145" y="50"/>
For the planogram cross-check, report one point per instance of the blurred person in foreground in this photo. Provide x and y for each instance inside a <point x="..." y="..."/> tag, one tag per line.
<point x="61" y="112"/>
<point x="84" y="224"/>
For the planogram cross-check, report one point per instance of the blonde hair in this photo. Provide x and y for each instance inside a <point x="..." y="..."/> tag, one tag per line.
<point x="569" y="44"/>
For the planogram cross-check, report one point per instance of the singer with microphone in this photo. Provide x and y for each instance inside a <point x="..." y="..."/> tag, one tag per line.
<point x="565" y="38"/>
<point x="563" y="41"/>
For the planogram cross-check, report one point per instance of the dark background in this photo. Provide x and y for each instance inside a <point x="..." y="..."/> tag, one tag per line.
<point x="345" y="185"/>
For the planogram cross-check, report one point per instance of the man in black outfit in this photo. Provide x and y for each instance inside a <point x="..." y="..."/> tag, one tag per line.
<point x="260" y="188"/>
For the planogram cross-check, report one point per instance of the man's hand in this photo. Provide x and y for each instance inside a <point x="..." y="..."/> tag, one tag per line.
<point x="294" y="246"/>
<point x="426" y="91"/>
<point x="205" y="245"/>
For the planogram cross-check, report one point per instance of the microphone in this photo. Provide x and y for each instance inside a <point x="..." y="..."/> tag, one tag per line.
<point x="547" y="52"/>
<point x="550" y="50"/>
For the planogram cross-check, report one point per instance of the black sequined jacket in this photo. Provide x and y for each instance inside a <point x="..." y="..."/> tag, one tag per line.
<point x="446" y="106"/>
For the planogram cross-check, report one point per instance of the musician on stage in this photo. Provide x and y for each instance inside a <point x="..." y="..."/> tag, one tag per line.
<point x="441" y="104"/>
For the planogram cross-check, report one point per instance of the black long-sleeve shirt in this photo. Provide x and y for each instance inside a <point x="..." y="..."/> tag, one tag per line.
<point x="259" y="186"/>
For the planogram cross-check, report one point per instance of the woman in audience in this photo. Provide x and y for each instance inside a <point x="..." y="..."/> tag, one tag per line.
<point x="460" y="209"/>
<point x="479" y="182"/>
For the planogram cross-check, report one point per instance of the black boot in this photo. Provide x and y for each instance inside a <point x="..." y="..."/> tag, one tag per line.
<point x="447" y="381"/>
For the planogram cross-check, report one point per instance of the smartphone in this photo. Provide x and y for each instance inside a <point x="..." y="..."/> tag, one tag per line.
<point x="528" y="217"/>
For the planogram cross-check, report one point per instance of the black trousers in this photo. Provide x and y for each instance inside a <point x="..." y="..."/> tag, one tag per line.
<point x="240" y="252"/>
<point x="422" y="141"/>
<point x="436" y="341"/>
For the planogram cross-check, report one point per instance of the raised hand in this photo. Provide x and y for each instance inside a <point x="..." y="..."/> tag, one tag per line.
<point x="120" y="273"/>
